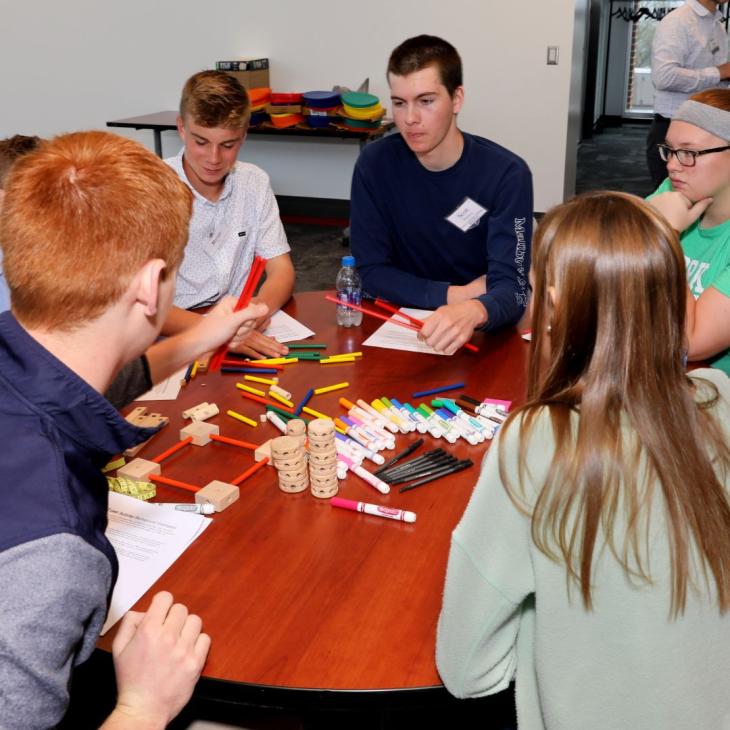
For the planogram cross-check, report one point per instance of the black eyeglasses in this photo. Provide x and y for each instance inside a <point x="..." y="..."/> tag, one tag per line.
<point x="686" y="158"/>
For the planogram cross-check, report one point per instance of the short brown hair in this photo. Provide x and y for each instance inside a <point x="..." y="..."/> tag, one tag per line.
<point x="80" y="216"/>
<point x="215" y="99"/>
<point x="11" y="149"/>
<point x="428" y="50"/>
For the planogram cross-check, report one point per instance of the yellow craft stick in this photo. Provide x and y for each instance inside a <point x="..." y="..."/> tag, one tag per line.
<point x="273" y="394"/>
<point x="278" y="361"/>
<point x="330" y="388"/>
<point x="194" y="371"/>
<point x="336" y="360"/>
<point x="344" y="354"/>
<point x="239" y="417"/>
<point x="266" y="381"/>
<point x="249" y="389"/>
<point x="316" y="414"/>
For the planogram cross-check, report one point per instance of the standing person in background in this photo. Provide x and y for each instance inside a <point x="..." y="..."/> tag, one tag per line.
<point x="235" y="215"/>
<point x="441" y="219"/>
<point x="592" y="562"/>
<point x="689" y="53"/>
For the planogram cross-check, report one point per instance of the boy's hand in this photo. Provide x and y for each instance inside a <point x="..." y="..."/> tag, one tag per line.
<point x="257" y="345"/>
<point x="158" y="658"/>
<point x="223" y="325"/>
<point x="452" y="325"/>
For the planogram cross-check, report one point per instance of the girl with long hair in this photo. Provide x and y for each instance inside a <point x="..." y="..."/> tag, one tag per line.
<point x="592" y="563"/>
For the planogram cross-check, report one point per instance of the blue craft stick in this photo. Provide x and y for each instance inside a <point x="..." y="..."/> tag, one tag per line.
<point x="304" y="402"/>
<point x="433" y="391"/>
<point x="189" y="371"/>
<point x="251" y="371"/>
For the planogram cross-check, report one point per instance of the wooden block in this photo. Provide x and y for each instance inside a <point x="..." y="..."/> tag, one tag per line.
<point x="219" y="494"/>
<point x="200" y="431"/>
<point x="263" y="452"/>
<point x="140" y="417"/>
<point x="201" y="412"/>
<point x="139" y="470"/>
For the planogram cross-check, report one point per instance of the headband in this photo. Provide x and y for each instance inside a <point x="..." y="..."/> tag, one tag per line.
<point x="710" y="118"/>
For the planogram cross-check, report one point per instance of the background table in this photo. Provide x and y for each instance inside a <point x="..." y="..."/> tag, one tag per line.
<point x="160" y="122"/>
<point x="302" y="599"/>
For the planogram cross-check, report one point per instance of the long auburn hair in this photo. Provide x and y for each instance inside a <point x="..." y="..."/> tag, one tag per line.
<point x="608" y="352"/>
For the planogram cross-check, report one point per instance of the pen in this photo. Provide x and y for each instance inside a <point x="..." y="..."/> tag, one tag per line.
<point x="200" y="509"/>
<point x="402" y="455"/>
<point x="438" y="474"/>
<point x="374" y="509"/>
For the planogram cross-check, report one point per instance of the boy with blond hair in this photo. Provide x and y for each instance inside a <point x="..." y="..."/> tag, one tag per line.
<point x="93" y="228"/>
<point x="235" y="215"/>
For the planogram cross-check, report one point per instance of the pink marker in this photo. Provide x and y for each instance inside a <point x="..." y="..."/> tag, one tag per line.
<point x="371" y="479"/>
<point x="374" y="509"/>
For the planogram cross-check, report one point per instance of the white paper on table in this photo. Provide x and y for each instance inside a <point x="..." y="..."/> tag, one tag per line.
<point x="284" y="328"/>
<point x="393" y="337"/>
<point x="147" y="539"/>
<point x="167" y="389"/>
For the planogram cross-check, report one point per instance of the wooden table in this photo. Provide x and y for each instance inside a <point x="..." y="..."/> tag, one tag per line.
<point x="159" y="122"/>
<point x="301" y="598"/>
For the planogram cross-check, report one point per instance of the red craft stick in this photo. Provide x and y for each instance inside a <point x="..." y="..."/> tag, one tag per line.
<point x="252" y="281"/>
<point x="390" y="308"/>
<point x="371" y="312"/>
<point x="256" y="398"/>
<point x="250" y="471"/>
<point x="173" y="483"/>
<point x="233" y="442"/>
<point x="172" y="450"/>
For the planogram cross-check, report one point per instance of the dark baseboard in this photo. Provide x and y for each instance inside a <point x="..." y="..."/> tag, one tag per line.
<point x="314" y="211"/>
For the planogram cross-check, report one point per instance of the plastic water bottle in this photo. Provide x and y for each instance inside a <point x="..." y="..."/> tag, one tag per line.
<point x="349" y="289"/>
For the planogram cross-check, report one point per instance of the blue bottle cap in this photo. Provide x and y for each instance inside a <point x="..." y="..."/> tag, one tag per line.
<point x="348" y="260"/>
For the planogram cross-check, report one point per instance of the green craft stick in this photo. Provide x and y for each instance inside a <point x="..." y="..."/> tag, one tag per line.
<point x="279" y="412"/>
<point x="306" y="346"/>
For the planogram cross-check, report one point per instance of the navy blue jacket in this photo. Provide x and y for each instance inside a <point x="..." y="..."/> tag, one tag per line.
<point x="57" y="433"/>
<point x="406" y="250"/>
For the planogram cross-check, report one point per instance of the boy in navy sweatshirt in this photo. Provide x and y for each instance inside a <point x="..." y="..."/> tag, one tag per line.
<point x="441" y="219"/>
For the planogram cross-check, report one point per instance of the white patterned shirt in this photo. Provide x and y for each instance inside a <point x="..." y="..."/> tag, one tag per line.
<point x="689" y="44"/>
<point x="225" y="235"/>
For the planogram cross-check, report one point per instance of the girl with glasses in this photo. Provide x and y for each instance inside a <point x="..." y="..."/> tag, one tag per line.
<point x="695" y="198"/>
<point x="592" y="563"/>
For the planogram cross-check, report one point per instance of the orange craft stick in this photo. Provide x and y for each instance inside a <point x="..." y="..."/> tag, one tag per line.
<point x="254" y="276"/>
<point x="250" y="471"/>
<point x="172" y="450"/>
<point x="390" y="308"/>
<point x="173" y="483"/>
<point x="233" y="442"/>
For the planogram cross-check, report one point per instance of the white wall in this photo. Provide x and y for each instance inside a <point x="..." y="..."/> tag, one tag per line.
<point x="76" y="64"/>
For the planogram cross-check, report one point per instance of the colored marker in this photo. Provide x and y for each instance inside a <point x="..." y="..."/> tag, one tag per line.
<point x="200" y="509"/>
<point x="379" y="417"/>
<point x="441" y="389"/>
<point x="373" y="509"/>
<point x="371" y="479"/>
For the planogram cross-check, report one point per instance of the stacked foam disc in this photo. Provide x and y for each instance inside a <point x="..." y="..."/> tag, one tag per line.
<point x="321" y="108"/>
<point x="289" y="458"/>
<point x="259" y="99"/>
<point x="361" y="110"/>
<point x="285" y="109"/>
<point x="322" y="458"/>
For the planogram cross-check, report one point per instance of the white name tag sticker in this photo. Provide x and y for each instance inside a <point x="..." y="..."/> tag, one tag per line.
<point x="467" y="215"/>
